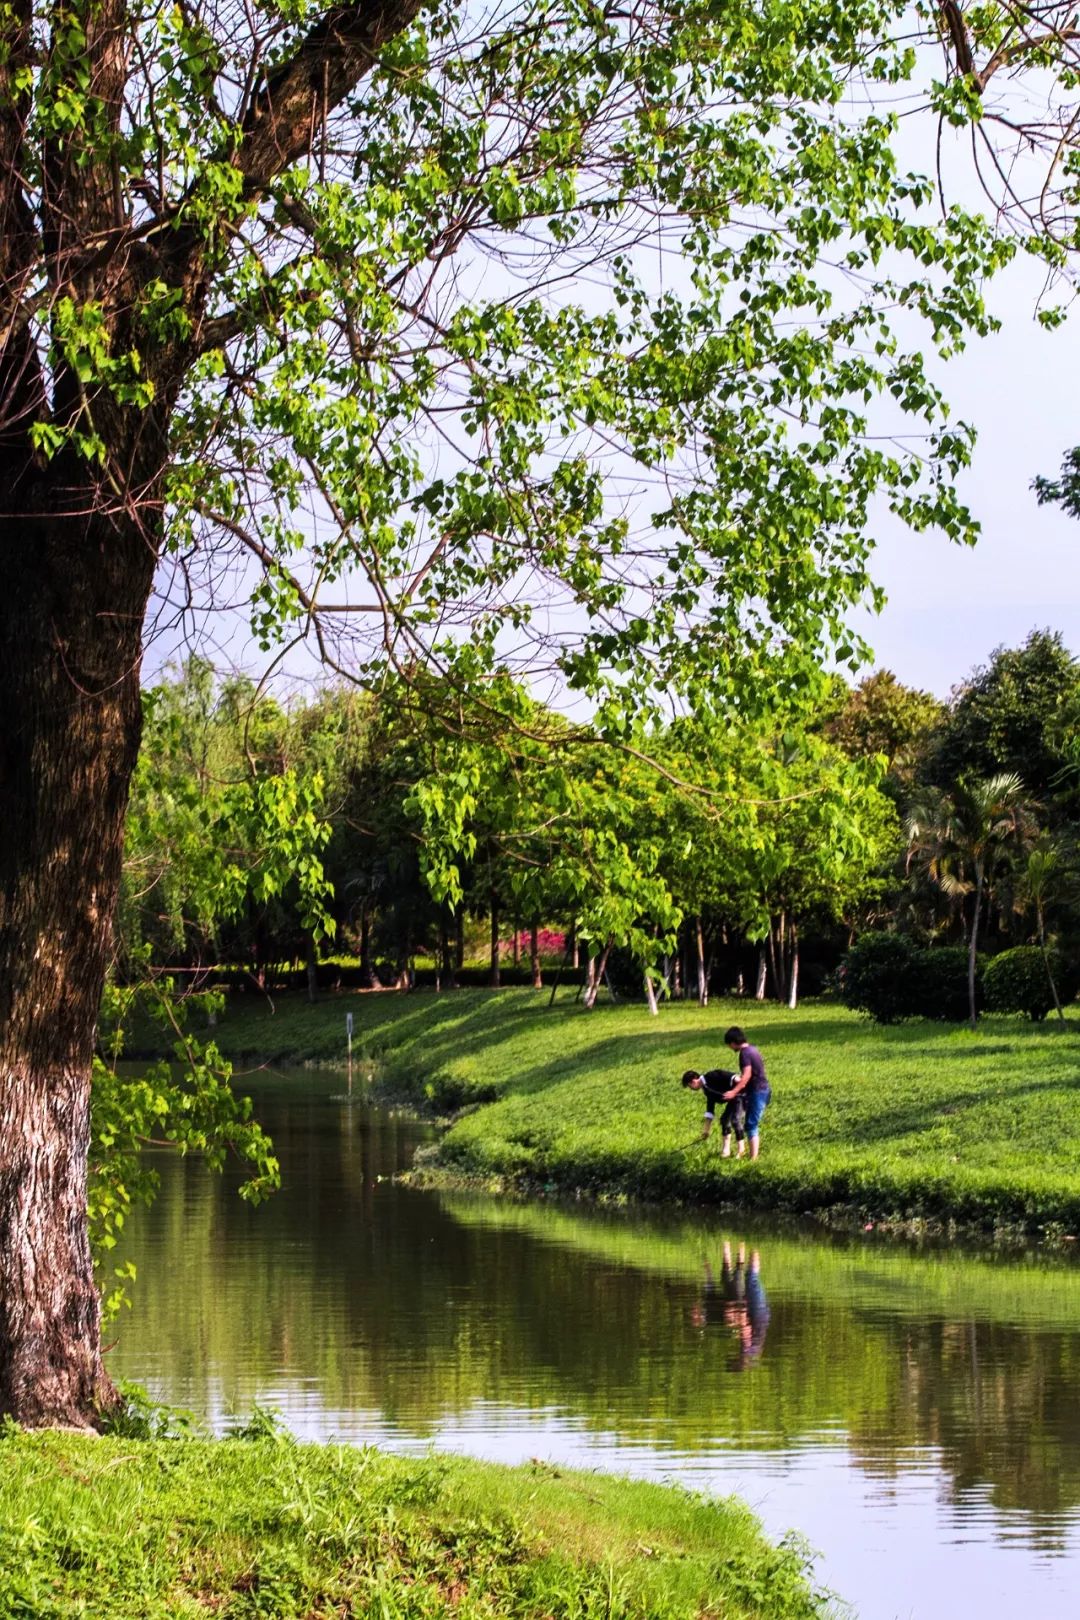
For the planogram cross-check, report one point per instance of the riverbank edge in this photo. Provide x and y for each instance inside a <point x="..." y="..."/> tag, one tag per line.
<point x="178" y="1527"/>
<point x="840" y="1218"/>
<point x="849" y="1190"/>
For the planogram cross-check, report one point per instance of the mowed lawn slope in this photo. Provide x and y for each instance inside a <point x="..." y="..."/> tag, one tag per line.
<point x="918" y="1121"/>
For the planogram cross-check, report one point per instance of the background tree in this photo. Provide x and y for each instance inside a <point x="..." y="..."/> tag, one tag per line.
<point x="882" y="716"/>
<point x="961" y="841"/>
<point x="291" y="292"/>
<point x="1014" y="715"/>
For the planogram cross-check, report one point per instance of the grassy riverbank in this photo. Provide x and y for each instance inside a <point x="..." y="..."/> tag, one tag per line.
<point x="918" y="1122"/>
<point x="268" y="1528"/>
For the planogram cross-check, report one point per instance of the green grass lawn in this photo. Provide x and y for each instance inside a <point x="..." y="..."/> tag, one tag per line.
<point x="917" y="1121"/>
<point x="268" y="1528"/>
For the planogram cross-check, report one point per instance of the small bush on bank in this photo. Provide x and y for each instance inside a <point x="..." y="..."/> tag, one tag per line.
<point x="1016" y="981"/>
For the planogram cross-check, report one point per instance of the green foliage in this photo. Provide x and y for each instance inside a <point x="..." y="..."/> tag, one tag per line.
<point x="1018" y="981"/>
<point x="940" y="983"/>
<point x="890" y="977"/>
<point x="1014" y="715"/>
<point x="876" y="977"/>
<point x="186" y="1102"/>
<point x="883" y="717"/>
<point x="267" y="1527"/>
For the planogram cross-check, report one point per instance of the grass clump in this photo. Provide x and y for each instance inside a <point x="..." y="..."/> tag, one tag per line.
<point x="919" y="1122"/>
<point x="269" y="1529"/>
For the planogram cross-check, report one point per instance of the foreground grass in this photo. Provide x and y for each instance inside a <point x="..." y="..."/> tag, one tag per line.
<point x="270" y="1528"/>
<point x="919" y="1122"/>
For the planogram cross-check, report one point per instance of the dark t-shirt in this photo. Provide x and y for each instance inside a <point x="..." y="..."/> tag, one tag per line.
<point x="717" y="1081"/>
<point x="757" y="1081"/>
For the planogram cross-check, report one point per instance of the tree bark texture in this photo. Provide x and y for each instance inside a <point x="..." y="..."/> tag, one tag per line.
<point x="71" y="619"/>
<point x="80" y="541"/>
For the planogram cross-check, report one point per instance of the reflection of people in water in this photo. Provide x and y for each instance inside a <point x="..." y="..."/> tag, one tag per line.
<point x="738" y="1302"/>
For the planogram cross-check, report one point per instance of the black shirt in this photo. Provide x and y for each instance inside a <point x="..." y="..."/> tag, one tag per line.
<point x="717" y="1081"/>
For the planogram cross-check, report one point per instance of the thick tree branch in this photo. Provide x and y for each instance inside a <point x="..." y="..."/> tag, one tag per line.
<point x="299" y="95"/>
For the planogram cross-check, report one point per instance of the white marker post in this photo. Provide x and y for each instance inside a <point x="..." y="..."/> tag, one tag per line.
<point x="348" y="1040"/>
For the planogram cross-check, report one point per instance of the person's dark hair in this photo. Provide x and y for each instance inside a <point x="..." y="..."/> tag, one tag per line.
<point x="734" y="1036"/>
<point x="689" y="1076"/>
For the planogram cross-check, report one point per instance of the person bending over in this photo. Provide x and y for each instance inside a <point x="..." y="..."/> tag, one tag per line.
<point x="751" y="1085"/>
<point x="717" y="1084"/>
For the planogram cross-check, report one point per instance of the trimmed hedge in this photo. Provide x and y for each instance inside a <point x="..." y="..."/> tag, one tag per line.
<point x="1016" y="982"/>
<point x="889" y="977"/>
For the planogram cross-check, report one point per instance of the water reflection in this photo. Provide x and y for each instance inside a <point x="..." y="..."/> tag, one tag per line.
<point x="916" y="1412"/>
<point x="738" y="1303"/>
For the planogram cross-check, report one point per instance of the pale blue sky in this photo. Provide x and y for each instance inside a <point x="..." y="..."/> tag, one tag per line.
<point x="950" y="606"/>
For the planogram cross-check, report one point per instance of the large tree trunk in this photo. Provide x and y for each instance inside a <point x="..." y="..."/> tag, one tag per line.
<point x="71" y="616"/>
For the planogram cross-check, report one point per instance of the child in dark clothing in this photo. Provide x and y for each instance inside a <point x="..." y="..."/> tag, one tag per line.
<point x="714" y="1083"/>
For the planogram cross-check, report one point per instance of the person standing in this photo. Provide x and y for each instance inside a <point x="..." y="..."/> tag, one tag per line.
<point x="752" y="1085"/>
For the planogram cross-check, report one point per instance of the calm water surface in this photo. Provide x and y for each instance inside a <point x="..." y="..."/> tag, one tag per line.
<point x="916" y="1413"/>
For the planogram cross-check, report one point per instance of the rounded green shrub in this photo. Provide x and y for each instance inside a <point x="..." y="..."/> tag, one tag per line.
<point x="877" y="977"/>
<point x="940" y="983"/>
<point x="1016" y="981"/>
<point x="890" y="977"/>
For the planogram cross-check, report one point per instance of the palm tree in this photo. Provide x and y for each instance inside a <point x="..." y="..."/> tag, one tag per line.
<point x="962" y="838"/>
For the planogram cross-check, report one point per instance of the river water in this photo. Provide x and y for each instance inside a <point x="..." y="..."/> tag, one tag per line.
<point x="915" y="1412"/>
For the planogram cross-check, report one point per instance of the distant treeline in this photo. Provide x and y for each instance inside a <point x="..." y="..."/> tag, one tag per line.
<point x="400" y="836"/>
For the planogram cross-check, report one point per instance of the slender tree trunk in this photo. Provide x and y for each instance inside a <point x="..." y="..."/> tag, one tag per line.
<point x="459" y="939"/>
<point x="534" y="955"/>
<point x="972" y="1010"/>
<point x="367" y="967"/>
<point x="403" y="978"/>
<point x="650" y="994"/>
<point x="71" y="617"/>
<point x="762" y="974"/>
<point x="702" y="976"/>
<point x="596" y="977"/>
<point x="773" y="964"/>
<point x="311" y="968"/>
<point x="575" y="948"/>
<point x="445" y="959"/>
<point x="517" y="941"/>
<point x="493" y="973"/>
<point x="793" y="976"/>
<point x="1046" y="959"/>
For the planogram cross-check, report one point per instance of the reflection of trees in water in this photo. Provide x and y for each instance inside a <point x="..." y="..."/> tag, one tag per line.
<point x="413" y="1307"/>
